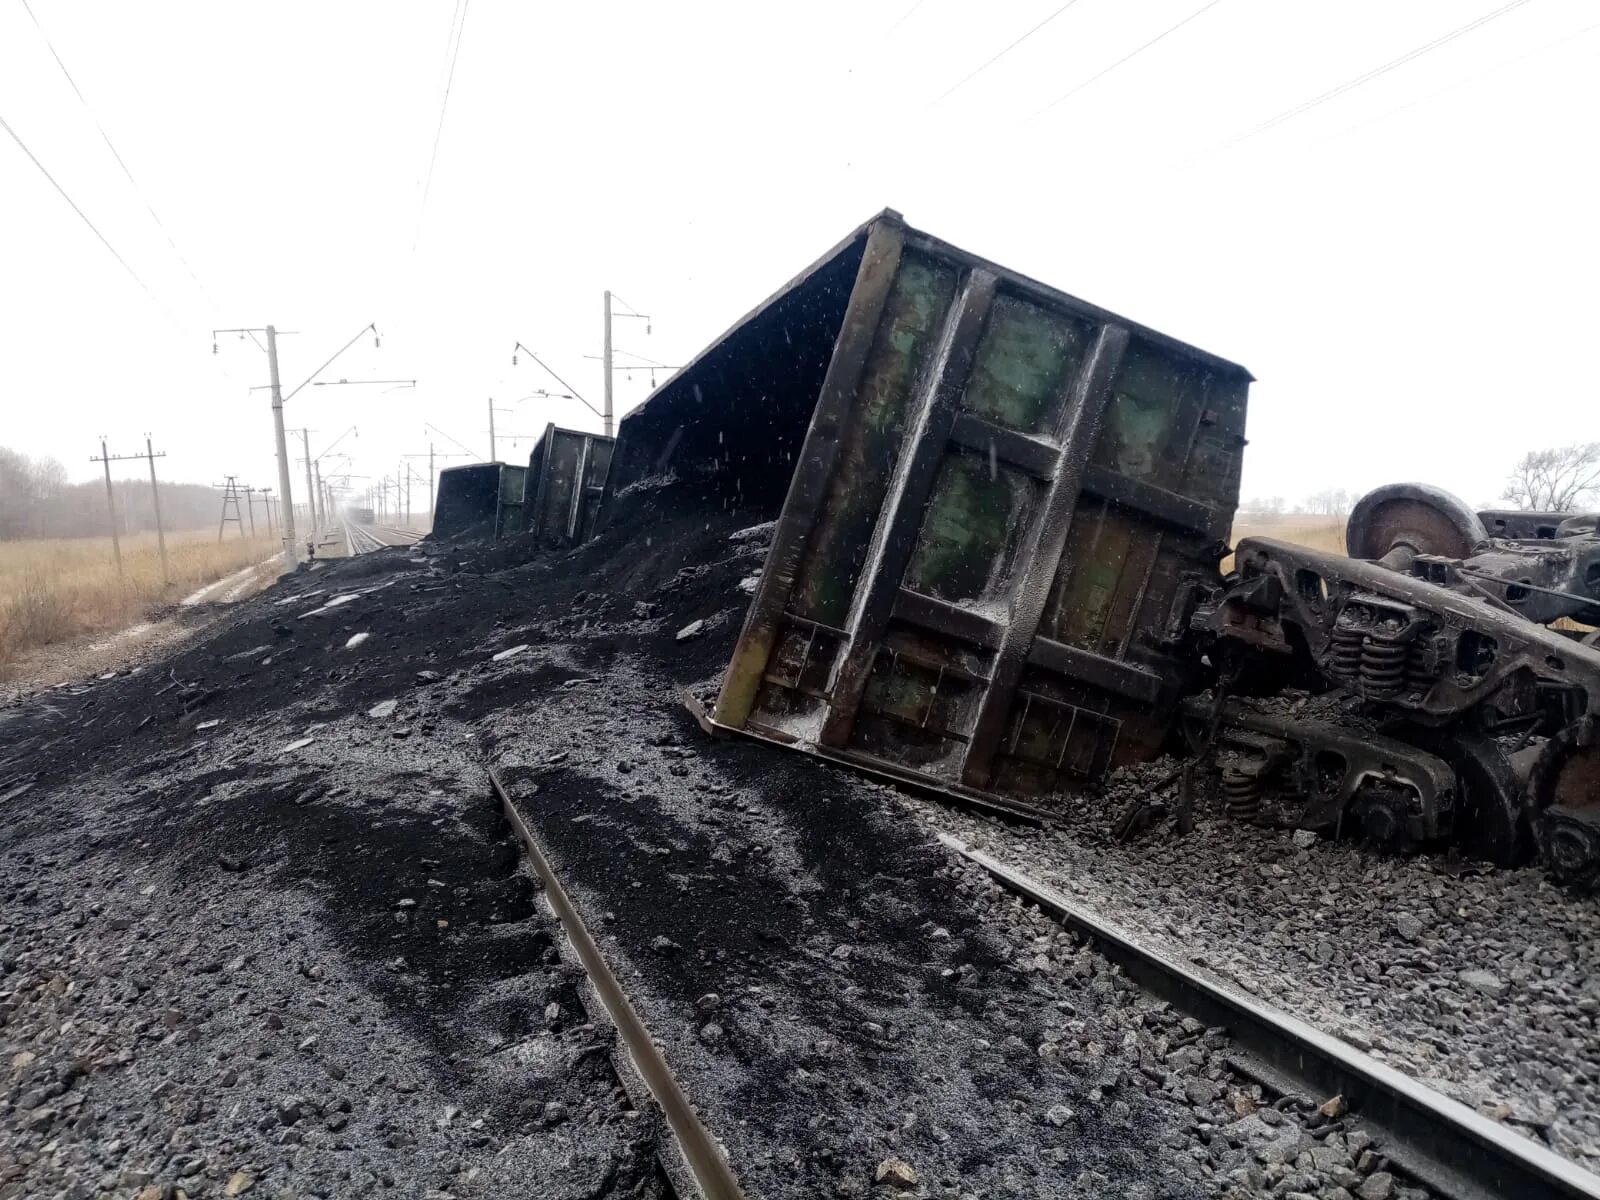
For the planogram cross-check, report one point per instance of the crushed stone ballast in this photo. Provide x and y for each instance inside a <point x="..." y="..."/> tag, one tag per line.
<point x="1440" y="1141"/>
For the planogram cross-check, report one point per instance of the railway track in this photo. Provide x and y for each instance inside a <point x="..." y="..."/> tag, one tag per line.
<point x="363" y="539"/>
<point x="699" y="1169"/>
<point x="1440" y="1142"/>
<point x="1437" y="1142"/>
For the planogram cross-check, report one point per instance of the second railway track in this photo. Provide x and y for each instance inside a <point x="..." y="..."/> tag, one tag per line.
<point x="363" y="539"/>
<point x="1421" y="1135"/>
<point x="1440" y="1142"/>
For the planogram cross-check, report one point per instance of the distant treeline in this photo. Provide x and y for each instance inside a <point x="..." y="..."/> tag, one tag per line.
<point x="36" y="501"/>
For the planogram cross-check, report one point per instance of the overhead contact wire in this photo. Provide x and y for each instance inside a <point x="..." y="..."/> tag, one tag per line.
<point x="115" y="153"/>
<point x="980" y="69"/>
<point x="1375" y="73"/>
<point x="104" y="241"/>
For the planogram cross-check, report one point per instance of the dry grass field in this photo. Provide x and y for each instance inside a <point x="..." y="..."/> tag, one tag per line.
<point x="1303" y="529"/>
<point x="1320" y="533"/>
<point x="54" y="591"/>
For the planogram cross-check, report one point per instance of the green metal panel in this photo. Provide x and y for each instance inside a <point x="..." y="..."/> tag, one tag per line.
<point x="967" y="547"/>
<point x="1023" y="362"/>
<point x="566" y="481"/>
<point x="870" y="444"/>
<point x="998" y="506"/>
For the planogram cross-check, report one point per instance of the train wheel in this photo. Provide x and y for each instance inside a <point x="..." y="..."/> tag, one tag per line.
<point x="1564" y="789"/>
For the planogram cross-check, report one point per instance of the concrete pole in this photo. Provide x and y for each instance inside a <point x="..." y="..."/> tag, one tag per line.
<point x="266" y="498"/>
<point x="322" y="496"/>
<point x="491" y="430"/>
<point x="430" y="485"/>
<point x="250" y="503"/>
<point x="605" y="356"/>
<point x="111" y="509"/>
<point x="311" y="495"/>
<point x="291" y="548"/>
<point x="155" y="501"/>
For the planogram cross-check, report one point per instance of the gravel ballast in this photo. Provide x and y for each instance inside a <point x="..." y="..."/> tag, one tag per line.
<point x="266" y="932"/>
<point x="1483" y="983"/>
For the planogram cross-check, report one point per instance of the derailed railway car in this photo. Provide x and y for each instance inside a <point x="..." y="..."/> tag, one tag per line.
<point x="999" y="517"/>
<point x="994" y="503"/>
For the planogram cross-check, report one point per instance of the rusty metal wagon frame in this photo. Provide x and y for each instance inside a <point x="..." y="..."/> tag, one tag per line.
<point x="1003" y="507"/>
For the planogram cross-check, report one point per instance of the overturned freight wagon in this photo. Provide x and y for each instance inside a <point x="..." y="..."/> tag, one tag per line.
<point x="556" y="496"/>
<point x="996" y="506"/>
<point x="565" y="483"/>
<point x="483" y="499"/>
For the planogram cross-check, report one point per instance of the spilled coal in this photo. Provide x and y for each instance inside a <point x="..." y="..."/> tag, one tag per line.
<point x="265" y="931"/>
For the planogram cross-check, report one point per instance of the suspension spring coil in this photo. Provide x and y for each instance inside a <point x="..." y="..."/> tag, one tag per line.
<point x="1241" y="793"/>
<point x="1383" y="667"/>
<point x="1344" y="661"/>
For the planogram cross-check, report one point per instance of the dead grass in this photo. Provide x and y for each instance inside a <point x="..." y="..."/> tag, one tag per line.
<point x="56" y="590"/>
<point x="1318" y="533"/>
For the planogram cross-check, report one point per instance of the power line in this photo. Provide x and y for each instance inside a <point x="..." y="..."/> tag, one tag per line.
<point x="1095" y="78"/>
<point x="447" y="437"/>
<point x="106" y="137"/>
<point x="904" y="17"/>
<point x="1542" y="48"/>
<point x="457" y="27"/>
<point x="4" y="124"/>
<point x="557" y="378"/>
<point x="979" y="70"/>
<point x="1368" y="76"/>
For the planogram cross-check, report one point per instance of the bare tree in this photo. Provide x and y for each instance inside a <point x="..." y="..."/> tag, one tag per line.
<point x="1330" y="502"/>
<point x="1262" y="505"/>
<point x="1555" y="480"/>
<point x="37" y="501"/>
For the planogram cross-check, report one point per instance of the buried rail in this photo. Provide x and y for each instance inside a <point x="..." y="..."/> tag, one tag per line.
<point x="1440" y="1141"/>
<point x="701" y="1155"/>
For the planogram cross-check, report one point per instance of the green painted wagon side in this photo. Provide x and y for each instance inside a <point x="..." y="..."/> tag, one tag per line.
<point x="566" y="479"/>
<point x="1001" y="509"/>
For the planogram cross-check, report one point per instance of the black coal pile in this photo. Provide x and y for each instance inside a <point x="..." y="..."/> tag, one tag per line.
<point x="264" y="930"/>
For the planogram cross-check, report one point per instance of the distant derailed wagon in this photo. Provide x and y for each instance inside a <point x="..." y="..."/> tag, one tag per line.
<point x="556" y="496"/>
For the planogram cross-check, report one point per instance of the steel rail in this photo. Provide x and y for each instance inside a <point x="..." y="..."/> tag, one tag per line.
<point x="708" y="1168"/>
<point x="361" y="540"/>
<point x="405" y="537"/>
<point x="1439" y="1141"/>
<point x="358" y="540"/>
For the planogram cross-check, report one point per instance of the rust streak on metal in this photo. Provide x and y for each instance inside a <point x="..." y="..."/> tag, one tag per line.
<point x="904" y="506"/>
<point x="807" y="487"/>
<point x="1078" y="430"/>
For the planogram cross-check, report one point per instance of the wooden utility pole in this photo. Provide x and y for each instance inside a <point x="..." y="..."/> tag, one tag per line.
<point x="155" y="502"/>
<point x="250" y="506"/>
<point x="111" y="505"/>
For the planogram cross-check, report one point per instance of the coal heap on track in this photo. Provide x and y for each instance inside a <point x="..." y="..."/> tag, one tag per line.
<point x="266" y="878"/>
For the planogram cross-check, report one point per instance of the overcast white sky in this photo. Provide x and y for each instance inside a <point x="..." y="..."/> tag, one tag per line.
<point x="1408" y="268"/>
